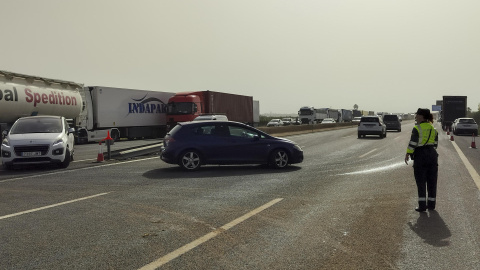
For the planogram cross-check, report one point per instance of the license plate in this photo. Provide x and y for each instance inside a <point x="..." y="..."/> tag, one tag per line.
<point x="31" y="154"/>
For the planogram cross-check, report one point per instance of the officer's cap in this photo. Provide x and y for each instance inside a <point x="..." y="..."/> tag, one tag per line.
<point x="424" y="112"/>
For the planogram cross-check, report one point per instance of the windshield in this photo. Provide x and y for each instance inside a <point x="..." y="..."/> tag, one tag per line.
<point x="37" y="125"/>
<point x="181" y="108"/>
<point x="306" y="112"/>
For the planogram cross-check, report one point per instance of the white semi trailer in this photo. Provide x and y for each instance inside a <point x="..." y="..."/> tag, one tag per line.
<point x="93" y="111"/>
<point x="125" y="113"/>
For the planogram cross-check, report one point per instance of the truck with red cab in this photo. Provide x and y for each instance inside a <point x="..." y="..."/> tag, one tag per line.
<point x="186" y="106"/>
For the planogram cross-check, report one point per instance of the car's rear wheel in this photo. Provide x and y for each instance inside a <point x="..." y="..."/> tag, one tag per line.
<point x="279" y="159"/>
<point x="67" y="159"/>
<point x="190" y="160"/>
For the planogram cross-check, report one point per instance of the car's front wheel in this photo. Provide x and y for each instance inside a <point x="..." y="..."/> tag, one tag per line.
<point x="279" y="159"/>
<point x="67" y="159"/>
<point x="190" y="160"/>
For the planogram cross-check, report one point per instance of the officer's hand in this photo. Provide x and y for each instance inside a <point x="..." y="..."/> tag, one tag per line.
<point x="407" y="157"/>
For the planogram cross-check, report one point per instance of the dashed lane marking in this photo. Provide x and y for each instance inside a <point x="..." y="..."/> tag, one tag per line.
<point x="51" y="206"/>
<point x="174" y="254"/>
<point x="73" y="170"/>
<point x="368" y="153"/>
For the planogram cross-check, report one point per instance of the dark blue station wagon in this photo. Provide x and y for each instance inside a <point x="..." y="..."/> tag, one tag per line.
<point x="192" y="144"/>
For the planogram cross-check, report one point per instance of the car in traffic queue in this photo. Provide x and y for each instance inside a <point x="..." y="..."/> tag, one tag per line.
<point x="371" y="125"/>
<point x="287" y="121"/>
<point x="211" y="117"/>
<point x="275" y="123"/>
<point x="392" y="121"/>
<point x="356" y="120"/>
<point x="465" y="126"/>
<point x="38" y="140"/>
<point x="328" y="121"/>
<point x="193" y="144"/>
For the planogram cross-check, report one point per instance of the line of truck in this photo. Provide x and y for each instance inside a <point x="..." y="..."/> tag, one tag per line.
<point x="125" y="113"/>
<point x="312" y="115"/>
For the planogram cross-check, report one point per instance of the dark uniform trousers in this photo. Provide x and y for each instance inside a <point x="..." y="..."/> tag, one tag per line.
<point x="425" y="169"/>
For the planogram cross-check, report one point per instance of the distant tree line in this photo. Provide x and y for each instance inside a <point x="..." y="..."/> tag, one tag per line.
<point x="474" y="115"/>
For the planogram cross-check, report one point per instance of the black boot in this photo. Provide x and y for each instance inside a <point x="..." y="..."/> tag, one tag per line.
<point x="431" y="205"/>
<point x="422" y="206"/>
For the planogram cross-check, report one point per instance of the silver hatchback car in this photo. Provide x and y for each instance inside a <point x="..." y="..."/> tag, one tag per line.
<point x="371" y="125"/>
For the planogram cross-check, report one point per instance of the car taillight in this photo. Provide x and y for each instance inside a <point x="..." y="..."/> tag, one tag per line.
<point x="168" y="141"/>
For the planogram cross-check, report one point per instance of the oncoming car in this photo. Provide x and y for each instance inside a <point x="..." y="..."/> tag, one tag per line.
<point x="371" y="125"/>
<point x="192" y="144"/>
<point x="38" y="140"/>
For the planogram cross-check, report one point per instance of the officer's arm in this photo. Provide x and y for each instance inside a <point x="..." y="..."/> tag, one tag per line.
<point x="413" y="141"/>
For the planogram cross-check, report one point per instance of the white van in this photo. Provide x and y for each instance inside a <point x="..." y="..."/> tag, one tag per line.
<point x="38" y="140"/>
<point x="211" y="117"/>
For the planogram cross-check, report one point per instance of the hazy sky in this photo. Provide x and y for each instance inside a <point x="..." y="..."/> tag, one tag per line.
<point x="384" y="55"/>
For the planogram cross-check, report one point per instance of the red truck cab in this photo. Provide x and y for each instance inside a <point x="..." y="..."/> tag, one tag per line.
<point x="184" y="107"/>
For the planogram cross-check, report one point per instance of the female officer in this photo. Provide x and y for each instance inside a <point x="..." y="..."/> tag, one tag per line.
<point x="422" y="149"/>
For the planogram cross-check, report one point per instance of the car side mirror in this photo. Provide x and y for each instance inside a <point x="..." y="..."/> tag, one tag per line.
<point x="256" y="137"/>
<point x="71" y="130"/>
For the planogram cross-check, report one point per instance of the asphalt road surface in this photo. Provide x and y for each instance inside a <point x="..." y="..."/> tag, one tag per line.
<point x="349" y="205"/>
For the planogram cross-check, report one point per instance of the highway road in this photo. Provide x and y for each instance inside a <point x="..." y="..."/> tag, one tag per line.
<point x="349" y="205"/>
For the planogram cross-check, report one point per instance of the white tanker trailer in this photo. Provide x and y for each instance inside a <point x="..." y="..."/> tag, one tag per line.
<point x="94" y="111"/>
<point x="24" y="95"/>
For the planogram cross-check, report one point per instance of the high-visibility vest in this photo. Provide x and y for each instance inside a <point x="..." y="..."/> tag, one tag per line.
<point x="426" y="131"/>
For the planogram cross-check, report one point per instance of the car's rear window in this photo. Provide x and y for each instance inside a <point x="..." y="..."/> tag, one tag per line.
<point x="390" y="118"/>
<point x="467" y="121"/>
<point x="369" y="119"/>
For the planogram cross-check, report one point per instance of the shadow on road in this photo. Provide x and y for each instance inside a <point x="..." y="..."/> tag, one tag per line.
<point x="217" y="171"/>
<point x="432" y="229"/>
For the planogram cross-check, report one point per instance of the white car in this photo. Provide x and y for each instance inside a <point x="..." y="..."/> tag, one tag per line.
<point x="465" y="126"/>
<point x="38" y="140"/>
<point x="211" y="117"/>
<point x="275" y="123"/>
<point x="328" y="121"/>
<point x="356" y="120"/>
<point x="372" y="125"/>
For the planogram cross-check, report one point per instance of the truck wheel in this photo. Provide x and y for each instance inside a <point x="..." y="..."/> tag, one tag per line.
<point x="190" y="160"/>
<point x="115" y="135"/>
<point x="67" y="160"/>
<point x="279" y="159"/>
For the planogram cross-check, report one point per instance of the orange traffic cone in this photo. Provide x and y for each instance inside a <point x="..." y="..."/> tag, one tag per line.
<point x="100" y="153"/>
<point x="473" y="141"/>
<point x="448" y="131"/>
<point x="451" y="138"/>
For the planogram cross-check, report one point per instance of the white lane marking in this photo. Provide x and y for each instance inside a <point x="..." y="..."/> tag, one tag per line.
<point x="470" y="168"/>
<point x="396" y="138"/>
<point x="50" y="206"/>
<point x="92" y="159"/>
<point x="348" y="136"/>
<point x="74" y="170"/>
<point x="376" y="169"/>
<point x="141" y="148"/>
<point x="375" y="149"/>
<point x="182" y="250"/>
